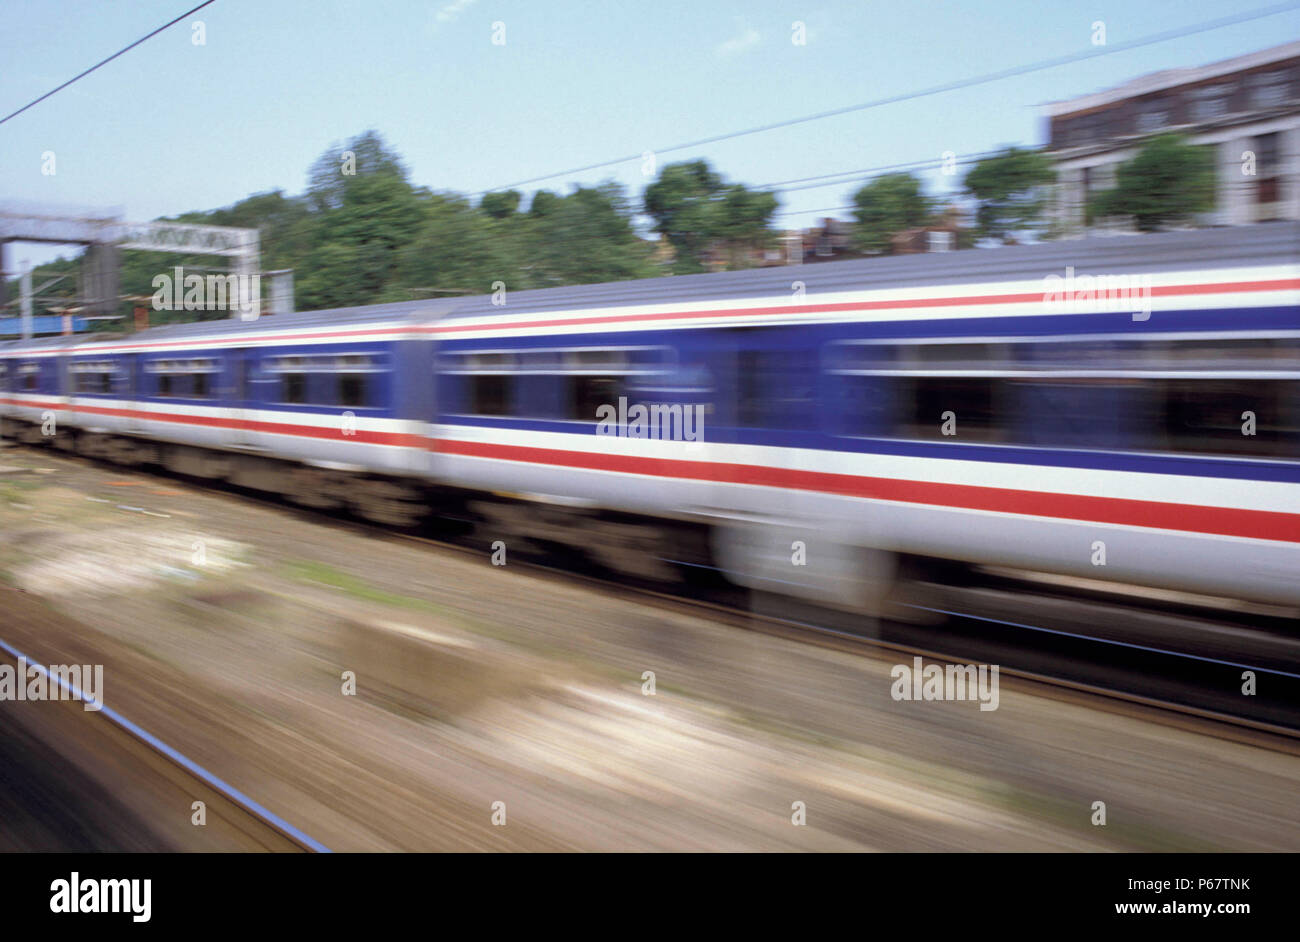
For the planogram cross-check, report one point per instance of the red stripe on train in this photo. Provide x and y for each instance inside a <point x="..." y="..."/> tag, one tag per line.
<point x="1195" y="518"/>
<point x="1227" y="287"/>
<point x="363" y="436"/>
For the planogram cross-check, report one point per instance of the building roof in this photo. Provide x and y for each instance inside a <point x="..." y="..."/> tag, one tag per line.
<point x="1172" y="78"/>
<point x="41" y="324"/>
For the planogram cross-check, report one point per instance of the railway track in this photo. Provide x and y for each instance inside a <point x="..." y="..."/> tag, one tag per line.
<point x="1175" y="661"/>
<point x="79" y="759"/>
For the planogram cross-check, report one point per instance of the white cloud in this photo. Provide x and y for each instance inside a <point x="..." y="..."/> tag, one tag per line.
<point x="453" y="10"/>
<point x="747" y="39"/>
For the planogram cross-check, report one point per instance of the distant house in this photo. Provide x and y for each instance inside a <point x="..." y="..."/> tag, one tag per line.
<point x="833" y="239"/>
<point x="1241" y="106"/>
<point x="941" y="236"/>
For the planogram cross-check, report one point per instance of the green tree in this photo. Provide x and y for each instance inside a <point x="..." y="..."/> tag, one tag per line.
<point x="333" y="171"/>
<point x="500" y="205"/>
<point x="1009" y="188"/>
<point x="586" y="237"/>
<point x="457" y="250"/>
<point x="696" y="211"/>
<point x="888" y="205"/>
<point x="1167" y="181"/>
<point x="363" y="219"/>
<point x="543" y="204"/>
<point x="330" y="278"/>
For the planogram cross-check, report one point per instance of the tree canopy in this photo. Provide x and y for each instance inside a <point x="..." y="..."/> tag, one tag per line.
<point x="1010" y="189"/>
<point x="699" y="214"/>
<point x="1169" y="180"/>
<point x="888" y="205"/>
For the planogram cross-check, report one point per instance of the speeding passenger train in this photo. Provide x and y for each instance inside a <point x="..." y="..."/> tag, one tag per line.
<point x="1125" y="408"/>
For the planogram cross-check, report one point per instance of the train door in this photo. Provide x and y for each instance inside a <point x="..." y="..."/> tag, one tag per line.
<point x="134" y="393"/>
<point x="244" y="399"/>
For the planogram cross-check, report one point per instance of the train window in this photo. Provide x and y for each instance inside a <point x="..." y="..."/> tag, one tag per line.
<point x="181" y="379"/>
<point x="490" y="394"/>
<point x="589" y="393"/>
<point x="489" y="362"/>
<point x="326" y="379"/>
<point x="951" y="408"/>
<point x="1178" y="393"/>
<point x="352" y="389"/>
<point x="1242" y="417"/>
<point x="922" y="390"/>
<point x="294" y="388"/>
<point x="607" y="362"/>
<point x="92" y="376"/>
<point x="541" y="362"/>
<point x="551" y="383"/>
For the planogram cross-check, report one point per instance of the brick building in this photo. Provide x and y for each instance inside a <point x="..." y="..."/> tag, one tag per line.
<point x="1249" y="103"/>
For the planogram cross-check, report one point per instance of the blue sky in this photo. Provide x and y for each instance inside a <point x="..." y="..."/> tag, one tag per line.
<point x="172" y="126"/>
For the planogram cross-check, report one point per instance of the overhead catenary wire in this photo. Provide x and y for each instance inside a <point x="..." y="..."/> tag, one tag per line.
<point x="103" y="62"/>
<point x="1027" y="69"/>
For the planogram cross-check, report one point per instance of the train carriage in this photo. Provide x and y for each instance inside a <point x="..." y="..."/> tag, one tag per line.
<point x="1125" y="408"/>
<point x="985" y="406"/>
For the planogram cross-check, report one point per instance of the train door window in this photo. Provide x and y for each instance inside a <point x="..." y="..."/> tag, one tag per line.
<point x="776" y="389"/>
<point x="30" y="373"/>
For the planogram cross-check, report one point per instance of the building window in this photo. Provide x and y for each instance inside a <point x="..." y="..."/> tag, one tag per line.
<point x="1266" y="150"/>
<point x="1152" y="119"/>
<point x="1270" y="89"/>
<point x="1210" y="102"/>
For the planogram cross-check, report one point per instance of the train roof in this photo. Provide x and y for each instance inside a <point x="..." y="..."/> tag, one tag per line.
<point x="397" y="312"/>
<point x="1276" y="243"/>
<point x="1226" y="247"/>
